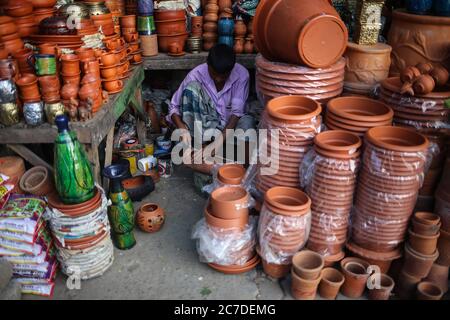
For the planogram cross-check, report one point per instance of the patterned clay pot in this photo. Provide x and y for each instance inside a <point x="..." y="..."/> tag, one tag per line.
<point x="150" y="217"/>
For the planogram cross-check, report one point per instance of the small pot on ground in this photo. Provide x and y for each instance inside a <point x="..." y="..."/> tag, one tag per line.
<point x="150" y="217"/>
<point x="307" y="264"/>
<point x="330" y="283"/>
<point x="428" y="291"/>
<point x="355" y="273"/>
<point x="275" y="271"/>
<point x="439" y="276"/>
<point x="303" y="289"/>
<point x="417" y="264"/>
<point x="384" y="292"/>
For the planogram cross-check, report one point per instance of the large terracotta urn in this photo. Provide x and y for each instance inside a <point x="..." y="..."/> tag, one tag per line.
<point x="417" y="38"/>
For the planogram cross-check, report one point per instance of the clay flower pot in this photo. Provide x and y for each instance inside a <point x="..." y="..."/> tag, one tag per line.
<point x="338" y="142"/>
<point x="229" y="202"/>
<point x="293" y="109"/>
<point x="355" y="273"/>
<point x="428" y="218"/>
<point x="406" y="285"/>
<point x="150" y="217"/>
<point x="428" y="291"/>
<point x="275" y="271"/>
<point x="109" y="59"/>
<point x="224" y="224"/>
<point x="417" y="264"/>
<point x="439" y="276"/>
<point x="303" y="289"/>
<point x="231" y="174"/>
<point x="37" y="181"/>
<point x="309" y="22"/>
<point x="28" y="86"/>
<point x="425" y="229"/>
<point x="444" y="248"/>
<point x="128" y="21"/>
<point x="384" y="292"/>
<point x="422" y="243"/>
<point x="287" y="201"/>
<point x="330" y="283"/>
<point x="307" y="264"/>
<point x="70" y="64"/>
<point x="397" y="139"/>
<point x="49" y="84"/>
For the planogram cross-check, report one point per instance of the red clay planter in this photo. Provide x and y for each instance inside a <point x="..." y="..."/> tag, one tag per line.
<point x="417" y="264"/>
<point x="229" y="202"/>
<point x="330" y="283"/>
<point x="303" y="289"/>
<point x="231" y="174"/>
<point x="384" y="292"/>
<point x="355" y="273"/>
<point x="428" y="291"/>
<point x="307" y="264"/>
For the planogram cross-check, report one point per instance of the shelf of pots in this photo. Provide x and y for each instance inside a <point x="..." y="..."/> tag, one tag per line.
<point x="90" y="133"/>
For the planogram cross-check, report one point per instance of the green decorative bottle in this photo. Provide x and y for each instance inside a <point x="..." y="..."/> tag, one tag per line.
<point x="121" y="211"/>
<point x="73" y="173"/>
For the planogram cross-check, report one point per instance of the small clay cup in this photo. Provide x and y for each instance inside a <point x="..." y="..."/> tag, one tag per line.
<point x="386" y="286"/>
<point x="304" y="289"/>
<point x="330" y="283"/>
<point x="428" y="291"/>
<point x="109" y="59"/>
<point x="422" y="243"/>
<point x="112" y="85"/>
<point x="307" y="264"/>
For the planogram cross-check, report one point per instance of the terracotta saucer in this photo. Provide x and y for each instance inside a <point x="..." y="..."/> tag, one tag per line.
<point x="116" y="91"/>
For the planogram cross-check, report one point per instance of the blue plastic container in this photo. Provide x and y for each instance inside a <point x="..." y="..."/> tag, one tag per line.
<point x="225" y="27"/>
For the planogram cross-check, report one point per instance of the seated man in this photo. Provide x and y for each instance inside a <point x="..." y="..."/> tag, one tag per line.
<point x="213" y="96"/>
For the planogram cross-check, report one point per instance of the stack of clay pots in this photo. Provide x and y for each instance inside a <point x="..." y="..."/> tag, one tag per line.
<point x="22" y="13"/>
<point x="37" y="181"/>
<point x="318" y="36"/>
<point x="131" y="36"/>
<point x="10" y="35"/>
<point x="330" y="283"/>
<point x="227" y="217"/>
<point x="240" y="30"/>
<point x="420" y="252"/>
<point x="283" y="228"/>
<point x="292" y="122"/>
<point x="419" y="111"/>
<point x="331" y="185"/>
<point x="14" y="168"/>
<point x="210" y="18"/>
<point x="194" y="42"/>
<point x="388" y="184"/>
<point x="306" y="274"/>
<point x="171" y="29"/>
<point x="366" y="67"/>
<point x="24" y="58"/>
<point x="357" y="114"/>
<point x="225" y="24"/>
<point x="43" y="9"/>
<point x="82" y="235"/>
<point x="274" y="79"/>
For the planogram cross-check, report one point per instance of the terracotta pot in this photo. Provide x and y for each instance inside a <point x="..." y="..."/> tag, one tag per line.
<point x="37" y="181"/>
<point x="131" y="37"/>
<point x="310" y="21"/>
<point x="351" y="108"/>
<point x="229" y="202"/>
<point x="416" y="38"/>
<point x="397" y="139"/>
<point x="439" y="276"/>
<point x="49" y="84"/>
<point x="307" y="264"/>
<point x="422" y="243"/>
<point x="85" y="53"/>
<point x="76" y="210"/>
<point x="69" y="91"/>
<point x="109" y="59"/>
<point x="112" y="85"/>
<point x="164" y="41"/>
<point x="210" y="27"/>
<point x="406" y="285"/>
<point x="367" y="64"/>
<point x="382" y="259"/>
<point x="28" y="86"/>
<point x="89" y="91"/>
<point x="238" y="45"/>
<point x="287" y="201"/>
<point x="240" y="29"/>
<point x="169" y="14"/>
<point x="330" y="283"/>
<point x="384" y="292"/>
<point x="13" y="45"/>
<point x="25" y="60"/>
<point x="150" y="217"/>
<point x="429" y="291"/>
<point x="7" y="26"/>
<point x="355" y="273"/>
<point x="109" y="72"/>
<point x="275" y="271"/>
<point x="417" y="264"/>
<point x="18" y="8"/>
<point x="304" y="289"/>
<point x="169" y="27"/>
<point x="49" y="48"/>
<point x="238" y="223"/>
<point x="231" y="174"/>
<point x="410" y="74"/>
<point x="128" y="21"/>
<point x="444" y="248"/>
<point x="72" y="79"/>
<point x="70" y="64"/>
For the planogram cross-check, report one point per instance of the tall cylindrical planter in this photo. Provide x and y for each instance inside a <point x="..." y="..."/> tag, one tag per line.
<point x="149" y="45"/>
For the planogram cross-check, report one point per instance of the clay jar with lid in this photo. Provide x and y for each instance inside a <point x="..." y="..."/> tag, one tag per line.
<point x="229" y="202"/>
<point x="307" y="264"/>
<point x="150" y="217"/>
<point x="318" y="38"/>
<point x="355" y="273"/>
<point x="330" y="283"/>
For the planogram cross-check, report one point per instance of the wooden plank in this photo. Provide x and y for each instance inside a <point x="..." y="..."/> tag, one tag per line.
<point x="189" y="61"/>
<point x="29" y="155"/>
<point x="108" y="156"/>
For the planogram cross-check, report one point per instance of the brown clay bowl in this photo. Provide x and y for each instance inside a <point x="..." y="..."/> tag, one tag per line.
<point x="397" y="139"/>
<point x="360" y="109"/>
<point x="219" y="223"/>
<point x="19" y="9"/>
<point x="296" y="90"/>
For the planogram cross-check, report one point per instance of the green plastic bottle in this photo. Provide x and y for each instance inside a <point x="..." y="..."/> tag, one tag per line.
<point x="73" y="173"/>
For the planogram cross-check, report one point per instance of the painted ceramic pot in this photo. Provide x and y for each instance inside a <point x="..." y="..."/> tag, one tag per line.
<point x="416" y="38"/>
<point x="319" y="39"/>
<point x="150" y="217"/>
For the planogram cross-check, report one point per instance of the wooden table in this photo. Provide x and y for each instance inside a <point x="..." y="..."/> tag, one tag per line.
<point x="189" y="61"/>
<point x="90" y="133"/>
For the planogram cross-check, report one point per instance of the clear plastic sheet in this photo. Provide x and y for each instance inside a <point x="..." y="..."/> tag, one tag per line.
<point x="330" y="183"/>
<point x="386" y="195"/>
<point x="225" y="247"/>
<point x="280" y="236"/>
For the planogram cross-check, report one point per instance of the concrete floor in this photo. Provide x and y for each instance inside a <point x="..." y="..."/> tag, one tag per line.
<point x="165" y="265"/>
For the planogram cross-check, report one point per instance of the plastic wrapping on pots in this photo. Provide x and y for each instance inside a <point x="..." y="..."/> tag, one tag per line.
<point x="419" y="111"/>
<point x="281" y="236"/>
<point x="394" y="161"/>
<point x="275" y="79"/>
<point x="225" y="247"/>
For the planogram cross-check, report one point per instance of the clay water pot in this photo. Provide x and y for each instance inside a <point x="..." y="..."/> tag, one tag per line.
<point x="429" y="291"/>
<point x="150" y="217"/>
<point x="417" y="264"/>
<point x="444" y="248"/>
<point x="229" y="202"/>
<point x="112" y="85"/>
<point x="440" y="76"/>
<point x="128" y="21"/>
<point x="424" y="84"/>
<point x="330" y="283"/>
<point x="109" y="72"/>
<point x="275" y="271"/>
<point x="309" y="22"/>
<point x="114" y="44"/>
<point x="307" y="264"/>
<point x="37" y="181"/>
<point x="422" y="243"/>
<point x="224" y="224"/>
<point x="384" y="292"/>
<point x="439" y="276"/>
<point x="28" y="86"/>
<point x="303" y="289"/>
<point x="355" y="273"/>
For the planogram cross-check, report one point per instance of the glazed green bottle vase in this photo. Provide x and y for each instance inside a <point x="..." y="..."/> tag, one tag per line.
<point x="72" y="171"/>
<point x="121" y="211"/>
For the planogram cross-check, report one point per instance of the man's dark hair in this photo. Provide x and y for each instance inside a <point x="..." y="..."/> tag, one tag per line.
<point x="221" y="58"/>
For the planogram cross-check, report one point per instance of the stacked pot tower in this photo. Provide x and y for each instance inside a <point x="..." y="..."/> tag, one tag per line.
<point x="210" y="19"/>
